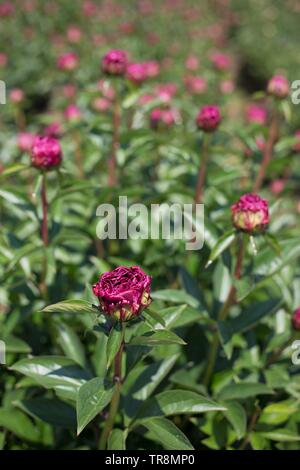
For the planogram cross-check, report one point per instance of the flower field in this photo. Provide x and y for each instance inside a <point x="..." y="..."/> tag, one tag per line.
<point x="116" y="332"/>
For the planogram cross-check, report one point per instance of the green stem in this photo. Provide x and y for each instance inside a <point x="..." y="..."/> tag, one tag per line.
<point x="212" y="356"/>
<point x="114" y="404"/>
<point x="202" y="170"/>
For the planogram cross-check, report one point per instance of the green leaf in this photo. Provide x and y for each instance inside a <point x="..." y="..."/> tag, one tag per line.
<point x="15" y="168"/>
<point x="266" y="263"/>
<point x="174" y="402"/>
<point x="222" y="244"/>
<point x="73" y="306"/>
<point x="236" y="416"/>
<point x="116" y="336"/>
<point x="166" y="433"/>
<point x="54" y="372"/>
<point x="157" y="338"/>
<point x="244" y="390"/>
<point x="70" y="343"/>
<point x="278" y="413"/>
<point x="93" y="396"/>
<point x="117" y="440"/>
<point x="19" y="424"/>
<point x="155" y="316"/>
<point x="281" y="435"/>
<point x="175" y="296"/>
<point x="16" y="345"/>
<point x="52" y="411"/>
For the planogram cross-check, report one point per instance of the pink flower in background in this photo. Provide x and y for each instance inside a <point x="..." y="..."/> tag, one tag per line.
<point x="16" y="95"/>
<point x="256" y="114"/>
<point x="221" y="61"/>
<point x="106" y="89"/>
<point x="124" y="292"/>
<point x="72" y="113"/>
<point x="296" y="319"/>
<point x="3" y="59"/>
<point x="296" y="146"/>
<point x="260" y="143"/>
<point x="101" y="104"/>
<point x="277" y="186"/>
<point x="45" y="153"/>
<point x="278" y="86"/>
<point x="68" y="61"/>
<point x="145" y="99"/>
<point x="166" y="116"/>
<point x="74" y="34"/>
<point x="166" y="91"/>
<point x="53" y="130"/>
<point x="208" y="118"/>
<point x="89" y="8"/>
<point x="192" y="62"/>
<point x="152" y="68"/>
<point x="251" y="213"/>
<point x="136" y="73"/>
<point x="25" y="141"/>
<point x="195" y="85"/>
<point x="115" y="62"/>
<point x="227" y="87"/>
<point x="6" y="9"/>
<point x="69" y="90"/>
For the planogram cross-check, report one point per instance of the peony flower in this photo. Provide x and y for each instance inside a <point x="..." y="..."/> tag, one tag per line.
<point x="136" y="73"/>
<point x="3" y="59"/>
<point x="124" y="292"/>
<point x="278" y="86"/>
<point x="152" y="68"/>
<point x="277" y="186"/>
<point x="74" y="34"/>
<point x="192" y="62"/>
<point x="296" y="319"/>
<point x="25" y="141"/>
<point x="101" y="104"/>
<point x="251" y="213"/>
<point x="16" y="95"/>
<point x="221" y="61"/>
<point x="166" y="91"/>
<point x="53" y="130"/>
<point x="256" y="114"/>
<point x="72" y="113"/>
<point x="115" y="62"/>
<point x="227" y="87"/>
<point x="68" y="61"/>
<point x="45" y="153"/>
<point x="208" y="118"/>
<point x="195" y="85"/>
<point x="6" y="9"/>
<point x="166" y="117"/>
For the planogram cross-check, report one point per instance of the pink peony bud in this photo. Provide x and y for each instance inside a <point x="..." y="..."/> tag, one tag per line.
<point x="136" y="73"/>
<point x="25" y="141"/>
<point x="195" y="85"/>
<point x="72" y="113"/>
<point x="192" y="62"/>
<point x="6" y="9"/>
<point x="165" y="117"/>
<point x="115" y="62"/>
<point x="278" y="86"/>
<point x="152" y="68"/>
<point x="68" y="61"/>
<point x="69" y="90"/>
<point x="166" y="91"/>
<point x="296" y="319"/>
<point x="277" y="186"/>
<point x="74" y="34"/>
<point x="53" y="130"/>
<point x="208" y="118"/>
<point x="45" y="153"/>
<point x="256" y="114"/>
<point x="296" y="146"/>
<point x="124" y="292"/>
<point x="101" y="104"/>
<point x="16" y="95"/>
<point x="227" y="87"/>
<point x="3" y="59"/>
<point x="251" y="213"/>
<point x="221" y="61"/>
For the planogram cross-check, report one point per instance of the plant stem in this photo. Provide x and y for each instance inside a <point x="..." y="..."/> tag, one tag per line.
<point x="268" y="151"/>
<point x="223" y="314"/>
<point x="114" y="404"/>
<point x="112" y="163"/>
<point x="45" y="211"/>
<point x="202" y="170"/>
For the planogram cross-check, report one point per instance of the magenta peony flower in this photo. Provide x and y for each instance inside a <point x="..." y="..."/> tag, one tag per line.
<point x="136" y="73"/>
<point x="68" y="61"/>
<point x="72" y="113"/>
<point x="251" y="213"/>
<point x="208" y="118"/>
<point x="124" y="292"/>
<point x="296" y="319"/>
<point x="115" y="62"/>
<point x="6" y="9"/>
<point x="45" y="153"/>
<point x="278" y="86"/>
<point x="256" y="114"/>
<point x="25" y="141"/>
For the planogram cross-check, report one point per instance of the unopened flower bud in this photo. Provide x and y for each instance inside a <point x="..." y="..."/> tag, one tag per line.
<point x="115" y="62"/>
<point x="45" y="153"/>
<point x="208" y="118"/>
<point x="296" y="319"/>
<point x="250" y="214"/>
<point x="278" y="86"/>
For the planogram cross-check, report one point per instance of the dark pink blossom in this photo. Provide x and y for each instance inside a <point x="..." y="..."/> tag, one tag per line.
<point x="45" y="153"/>
<point x="208" y="118"/>
<point x="278" y="86"/>
<point x="68" y="61"/>
<point x="256" y="114"/>
<point x="136" y="73"/>
<point x="124" y="292"/>
<point x="115" y="62"/>
<point x="251" y="213"/>
<point x="72" y="113"/>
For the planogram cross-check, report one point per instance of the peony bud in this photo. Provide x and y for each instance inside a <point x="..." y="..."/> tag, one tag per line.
<point x="68" y="61"/>
<point x="16" y="95"/>
<point x="251" y="213"/>
<point x="72" y="113"/>
<point x="136" y="73"/>
<point x="208" y="118"/>
<point x="278" y="86"/>
<point x="296" y="319"/>
<point x="25" y="141"/>
<point x="45" y="153"/>
<point x="221" y="61"/>
<point x="256" y="114"/>
<point x="115" y="62"/>
<point x="124" y="292"/>
<point x="195" y="85"/>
